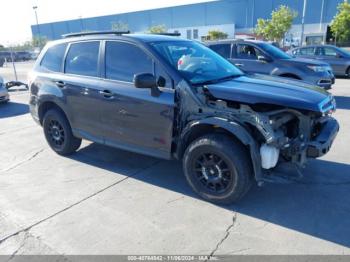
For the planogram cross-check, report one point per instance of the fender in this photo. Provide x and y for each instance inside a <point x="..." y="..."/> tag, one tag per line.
<point x="235" y="129"/>
<point x="55" y="100"/>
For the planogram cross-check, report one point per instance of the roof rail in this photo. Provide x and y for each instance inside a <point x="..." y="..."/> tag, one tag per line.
<point x="96" y="33"/>
<point x="168" y="34"/>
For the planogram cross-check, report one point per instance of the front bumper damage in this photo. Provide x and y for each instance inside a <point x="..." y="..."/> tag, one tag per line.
<point x="319" y="145"/>
<point x="322" y="143"/>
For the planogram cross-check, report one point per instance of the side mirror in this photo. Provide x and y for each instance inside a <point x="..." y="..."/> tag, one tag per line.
<point x="263" y="59"/>
<point x="146" y="80"/>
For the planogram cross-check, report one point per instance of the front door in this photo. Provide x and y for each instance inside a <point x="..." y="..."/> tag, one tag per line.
<point x="331" y="56"/>
<point x="132" y="118"/>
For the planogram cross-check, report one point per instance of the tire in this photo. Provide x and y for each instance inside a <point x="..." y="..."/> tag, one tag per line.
<point x="348" y="72"/>
<point x="218" y="168"/>
<point x="58" y="133"/>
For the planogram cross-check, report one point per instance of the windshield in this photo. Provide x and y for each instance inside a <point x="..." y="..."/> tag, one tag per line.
<point x="195" y="62"/>
<point x="273" y="51"/>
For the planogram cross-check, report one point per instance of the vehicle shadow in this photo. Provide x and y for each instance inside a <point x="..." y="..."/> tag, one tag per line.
<point x="12" y="109"/>
<point x="317" y="205"/>
<point x="343" y="102"/>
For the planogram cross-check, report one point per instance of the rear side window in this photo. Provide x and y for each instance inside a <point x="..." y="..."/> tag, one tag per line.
<point x="307" y="51"/>
<point x="223" y="49"/>
<point x="124" y="60"/>
<point x="53" y="58"/>
<point x="82" y="59"/>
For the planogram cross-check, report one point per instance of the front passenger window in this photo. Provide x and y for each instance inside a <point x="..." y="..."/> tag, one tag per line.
<point x="124" y="60"/>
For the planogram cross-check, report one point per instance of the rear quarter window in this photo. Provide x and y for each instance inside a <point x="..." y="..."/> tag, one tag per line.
<point x="53" y="58"/>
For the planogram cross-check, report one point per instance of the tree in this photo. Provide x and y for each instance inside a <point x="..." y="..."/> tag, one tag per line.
<point x="157" y="29"/>
<point x="120" y="26"/>
<point x="341" y="23"/>
<point x="216" y="35"/>
<point x="280" y="23"/>
<point x="39" y="41"/>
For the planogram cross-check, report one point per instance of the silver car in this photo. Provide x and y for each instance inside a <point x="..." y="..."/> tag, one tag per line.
<point x="4" y="95"/>
<point x="338" y="58"/>
<point x="258" y="57"/>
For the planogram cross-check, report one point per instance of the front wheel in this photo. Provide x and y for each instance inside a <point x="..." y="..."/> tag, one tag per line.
<point x="58" y="133"/>
<point x="218" y="168"/>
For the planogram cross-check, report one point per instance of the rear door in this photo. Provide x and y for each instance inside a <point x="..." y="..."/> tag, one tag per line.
<point x="82" y="85"/>
<point x="132" y="118"/>
<point x="245" y="56"/>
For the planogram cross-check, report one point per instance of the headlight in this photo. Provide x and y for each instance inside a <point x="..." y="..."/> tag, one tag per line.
<point x="320" y="68"/>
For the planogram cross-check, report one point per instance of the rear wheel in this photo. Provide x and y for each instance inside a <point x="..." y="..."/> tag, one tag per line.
<point x="58" y="133"/>
<point x="348" y="72"/>
<point x="218" y="168"/>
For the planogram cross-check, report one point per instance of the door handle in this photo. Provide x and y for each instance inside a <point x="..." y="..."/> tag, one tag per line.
<point x="106" y="94"/>
<point x="239" y="65"/>
<point x="60" y="84"/>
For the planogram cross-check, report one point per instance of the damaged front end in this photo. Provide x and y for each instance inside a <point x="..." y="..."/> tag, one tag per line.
<point x="283" y="138"/>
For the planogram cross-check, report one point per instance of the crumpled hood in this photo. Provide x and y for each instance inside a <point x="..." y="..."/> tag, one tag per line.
<point x="262" y="89"/>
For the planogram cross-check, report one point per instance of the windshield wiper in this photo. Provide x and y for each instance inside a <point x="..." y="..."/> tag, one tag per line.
<point x="214" y="81"/>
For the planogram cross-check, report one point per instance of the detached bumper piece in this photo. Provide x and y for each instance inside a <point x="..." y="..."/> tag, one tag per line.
<point x="321" y="144"/>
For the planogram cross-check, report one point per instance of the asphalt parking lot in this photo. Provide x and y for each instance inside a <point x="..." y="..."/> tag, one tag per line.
<point x="107" y="201"/>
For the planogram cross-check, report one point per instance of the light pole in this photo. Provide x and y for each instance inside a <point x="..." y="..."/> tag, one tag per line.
<point x="303" y="23"/>
<point x="37" y="21"/>
<point x="81" y="23"/>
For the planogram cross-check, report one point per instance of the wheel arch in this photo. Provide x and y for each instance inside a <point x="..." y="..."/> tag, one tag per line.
<point x="45" y="106"/>
<point x="235" y="130"/>
<point x="290" y="75"/>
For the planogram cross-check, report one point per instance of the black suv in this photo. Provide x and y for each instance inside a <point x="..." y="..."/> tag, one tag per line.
<point x="263" y="58"/>
<point x="177" y="99"/>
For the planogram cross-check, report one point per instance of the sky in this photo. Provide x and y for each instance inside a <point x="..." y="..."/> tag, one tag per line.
<point x="18" y="15"/>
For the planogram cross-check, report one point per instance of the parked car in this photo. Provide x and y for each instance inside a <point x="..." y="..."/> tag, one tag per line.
<point x="23" y="56"/>
<point x="260" y="57"/>
<point x="338" y="58"/>
<point x="4" y="95"/>
<point x="5" y="55"/>
<point x="176" y="99"/>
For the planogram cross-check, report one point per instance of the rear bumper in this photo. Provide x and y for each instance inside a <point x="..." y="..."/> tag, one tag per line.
<point x="33" y="109"/>
<point x="324" y="140"/>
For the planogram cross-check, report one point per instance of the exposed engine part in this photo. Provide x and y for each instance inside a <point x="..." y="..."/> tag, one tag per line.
<point x="269" y="156"/>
